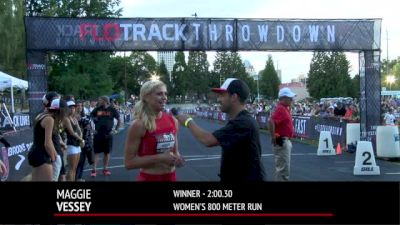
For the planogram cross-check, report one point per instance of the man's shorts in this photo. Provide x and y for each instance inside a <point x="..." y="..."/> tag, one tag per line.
<point x="102" y="143"/>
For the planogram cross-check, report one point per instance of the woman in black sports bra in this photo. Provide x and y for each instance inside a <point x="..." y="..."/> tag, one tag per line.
<point x="43" y="151"/>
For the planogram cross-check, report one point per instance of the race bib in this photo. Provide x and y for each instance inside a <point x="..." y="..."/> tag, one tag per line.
<point x="164" y="142"/>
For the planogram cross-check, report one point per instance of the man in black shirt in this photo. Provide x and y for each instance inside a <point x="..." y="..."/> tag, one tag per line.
<point x="103" y="118"/>
<point x="339" y="110"/>
<point x="239" y="138"/>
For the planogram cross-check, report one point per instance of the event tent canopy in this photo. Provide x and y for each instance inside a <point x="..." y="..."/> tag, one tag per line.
<point x="8" y="81"/>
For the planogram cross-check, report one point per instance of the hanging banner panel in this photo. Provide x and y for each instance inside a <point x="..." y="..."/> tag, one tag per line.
<point x="158" y="34"/>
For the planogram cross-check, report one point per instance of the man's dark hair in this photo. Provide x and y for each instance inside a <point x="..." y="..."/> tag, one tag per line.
<point x="240" y="88"/>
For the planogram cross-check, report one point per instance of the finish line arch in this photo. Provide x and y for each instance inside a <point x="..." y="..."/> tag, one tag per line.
<point x="178" y="34"/>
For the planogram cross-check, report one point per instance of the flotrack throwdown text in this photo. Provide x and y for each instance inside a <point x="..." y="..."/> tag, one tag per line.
<point x="73" y="200"/>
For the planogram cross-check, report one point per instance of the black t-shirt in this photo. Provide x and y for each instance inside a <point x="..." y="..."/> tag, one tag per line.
<point x="241" y="149"/>
<point x="339" y="112"/>
<point x="103" y="118"/>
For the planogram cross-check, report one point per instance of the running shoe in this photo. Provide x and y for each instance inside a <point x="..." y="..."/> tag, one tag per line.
<point x="93" y="173"/>
<point x="106" y="172"/>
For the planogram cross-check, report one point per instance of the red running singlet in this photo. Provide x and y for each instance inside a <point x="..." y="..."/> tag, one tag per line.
<point x="161" y="139"/>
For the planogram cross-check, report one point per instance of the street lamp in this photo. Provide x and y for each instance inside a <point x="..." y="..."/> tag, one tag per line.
<point x="390" y="79"/>
<point x="258" y="87"/>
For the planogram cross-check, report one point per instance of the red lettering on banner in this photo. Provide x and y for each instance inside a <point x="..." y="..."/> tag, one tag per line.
<point x="91" y="30"/>
<point x="106" y="31"/>
<point x="83" y="30"/>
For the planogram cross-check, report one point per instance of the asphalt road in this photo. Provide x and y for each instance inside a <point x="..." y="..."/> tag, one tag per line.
<point x="202" y="163"/>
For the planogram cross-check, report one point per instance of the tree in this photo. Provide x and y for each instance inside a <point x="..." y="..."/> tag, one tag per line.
<point x="179" y="74"/>
<point x="12" y="41"/>
<point x="355" y="90"/>
<point x="329" y="75"/>
<point x="83" y="74"/>
<point x="221" y="66"/>
<point x="164" y="77"/>
<point x="387" y="66"/>
<point x="315" y="74"/>
<point x="230" y="64"/>
<point x="269" y="81"/>
<point x="76" y="8"/>
<point x="198" y="74"/>
<point x="391" y="68"/>
<point x="120" y="70"/>
<point x="144" y="66"/>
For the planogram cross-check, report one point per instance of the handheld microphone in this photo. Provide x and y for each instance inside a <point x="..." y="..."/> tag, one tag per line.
<point x="174" y="111"/>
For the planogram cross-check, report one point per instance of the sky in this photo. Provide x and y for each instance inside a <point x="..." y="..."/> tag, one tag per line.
<point x="292" y="64"/>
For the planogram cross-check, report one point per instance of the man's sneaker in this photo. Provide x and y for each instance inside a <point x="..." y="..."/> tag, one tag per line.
<point x="93" y="173"/>
<point x="80" y="180"/>
<point x="106" y="172"/>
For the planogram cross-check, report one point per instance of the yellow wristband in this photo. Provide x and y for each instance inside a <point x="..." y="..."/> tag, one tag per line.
<point x="187" y="121"/>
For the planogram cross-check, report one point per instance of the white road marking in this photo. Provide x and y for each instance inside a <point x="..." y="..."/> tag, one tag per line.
<point x="344" y="161"/>
<point x="219" y="156"/>
<point x="109" y="167"/>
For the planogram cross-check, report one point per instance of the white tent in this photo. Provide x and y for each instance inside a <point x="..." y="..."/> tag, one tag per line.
<point x="8" y="81"/>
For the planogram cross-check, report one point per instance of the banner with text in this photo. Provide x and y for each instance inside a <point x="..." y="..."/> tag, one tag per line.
<point x="18" y="120"/>
<point x="16" y="156"/>
<point x="158" y="34"/>
<point x="310" y="127"/>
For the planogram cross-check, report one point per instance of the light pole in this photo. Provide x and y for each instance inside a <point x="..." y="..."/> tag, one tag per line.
<point x="387" y="52"/>
<point x="258" y="87"/>
<point x="125" y="80"/>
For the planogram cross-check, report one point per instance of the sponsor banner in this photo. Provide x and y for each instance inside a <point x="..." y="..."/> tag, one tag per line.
<point x="333" y="125"/>
<point x="310" y="128"/>
<point x="17" y="155"/>
<point x="35" y="66"/>
<point x="177" y="34"/>
<point x="302" y="126"/>
<point x="20" y="121"/>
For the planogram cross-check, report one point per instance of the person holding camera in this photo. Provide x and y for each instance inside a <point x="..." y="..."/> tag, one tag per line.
<point x="281" y="128"/>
